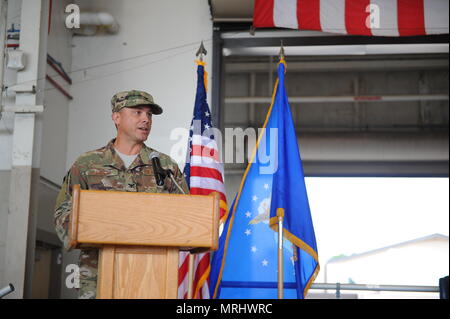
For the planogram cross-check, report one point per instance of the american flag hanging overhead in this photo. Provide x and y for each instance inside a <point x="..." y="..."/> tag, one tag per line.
<point x="355" y="17"/>
<point x="204" y="174"/>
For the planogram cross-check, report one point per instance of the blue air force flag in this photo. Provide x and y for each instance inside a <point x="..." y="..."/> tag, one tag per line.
<point x="245" y="265"/>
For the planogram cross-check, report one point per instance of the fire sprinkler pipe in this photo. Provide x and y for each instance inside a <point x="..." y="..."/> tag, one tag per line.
<point x="59" y="87"/>
<point x="58" y="68"/>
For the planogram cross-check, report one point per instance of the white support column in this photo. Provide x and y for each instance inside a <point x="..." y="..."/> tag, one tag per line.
<point x="21" y="235"/>
<point x="3" y="10"/>
<point x="20" y="188"/>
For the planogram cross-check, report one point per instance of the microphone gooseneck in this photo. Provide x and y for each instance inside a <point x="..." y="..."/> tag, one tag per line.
<point x="170" y="173"/>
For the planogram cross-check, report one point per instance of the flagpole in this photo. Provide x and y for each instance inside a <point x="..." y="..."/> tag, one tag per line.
<point x="190" y="275"/>
<point x="200" y="52"/>
<point x="280" y="214"/>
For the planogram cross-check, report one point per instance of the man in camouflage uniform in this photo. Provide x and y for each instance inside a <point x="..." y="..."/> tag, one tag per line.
<point x="105" y="169"/>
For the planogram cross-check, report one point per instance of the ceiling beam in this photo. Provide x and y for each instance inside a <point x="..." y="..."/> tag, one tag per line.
<point x="340" y="99"/>
<point x="328" y="66"/>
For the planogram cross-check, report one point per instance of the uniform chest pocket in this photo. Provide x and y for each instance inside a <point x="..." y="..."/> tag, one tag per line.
<point x="103" y="179"/>
<point x="146" y="181"/>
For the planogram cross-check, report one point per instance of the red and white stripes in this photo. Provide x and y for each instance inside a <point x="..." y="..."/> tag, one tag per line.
<point x="206" y="173"/>
<point x="355" y="17"/>
<point x="206" y="176"/>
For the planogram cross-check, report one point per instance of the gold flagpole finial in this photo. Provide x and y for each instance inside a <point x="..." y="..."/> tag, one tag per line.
<point x="201" y="51"/>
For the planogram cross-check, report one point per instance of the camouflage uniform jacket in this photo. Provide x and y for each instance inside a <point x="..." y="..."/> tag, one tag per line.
<point x="103" y="169"/>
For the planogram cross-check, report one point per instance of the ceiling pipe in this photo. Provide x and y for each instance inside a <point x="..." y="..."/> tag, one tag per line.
<point x="93" y="22"/>
<point x="339" y="99"/>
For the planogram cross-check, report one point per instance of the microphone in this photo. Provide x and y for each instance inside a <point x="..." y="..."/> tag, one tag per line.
<point x="160" y="173"/>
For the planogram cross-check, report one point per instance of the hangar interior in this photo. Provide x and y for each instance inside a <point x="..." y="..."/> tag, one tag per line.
<point x="362" y="107"/>
<point x="356" y="115"/>
<point x="346" y="92"/>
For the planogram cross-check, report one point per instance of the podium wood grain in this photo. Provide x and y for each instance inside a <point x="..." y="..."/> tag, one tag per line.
<point x="146" y="219"/>
<point x="130" y="273"/>
<point x="140" y="235"/>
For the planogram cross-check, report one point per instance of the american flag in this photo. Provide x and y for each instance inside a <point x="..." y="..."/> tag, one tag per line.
<point x="204" y="174"/>
<point x="355" y="17"/>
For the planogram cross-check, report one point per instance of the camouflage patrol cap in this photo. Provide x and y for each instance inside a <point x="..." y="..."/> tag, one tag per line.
<point x="134" y="98"/>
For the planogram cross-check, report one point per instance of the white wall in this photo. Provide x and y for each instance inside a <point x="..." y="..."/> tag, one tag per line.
<point x="153" y="51"/>
<point x="54" y="131"/>
<point x="56" y="113"/>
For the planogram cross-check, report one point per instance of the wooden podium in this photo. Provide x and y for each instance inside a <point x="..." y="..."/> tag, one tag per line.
<point x="140" y="235"/>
